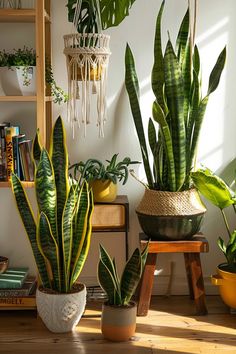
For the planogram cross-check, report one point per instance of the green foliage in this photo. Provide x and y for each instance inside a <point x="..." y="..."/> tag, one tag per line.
<point x="94" y="169"/>
<point x="111" y="12"/>
<point x="26" y="57"/>
<point x="120" y="290"/>
<point x="178" y="110"/>
<point x="214" y="189"/>
<point x="60" y="237"/>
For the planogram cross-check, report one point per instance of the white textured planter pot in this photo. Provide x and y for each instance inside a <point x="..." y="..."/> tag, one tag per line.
<point x="61" y="312"/>
<point x="12" y="81"/>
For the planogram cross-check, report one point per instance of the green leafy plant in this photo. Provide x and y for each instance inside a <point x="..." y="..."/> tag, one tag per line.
<point x="94" y="169"/>
<point x="111" y="13"/>
<point x="222" y="196"/>
<point x="26" y="58"/>
<point x="178" y="109"/>
<point x="120" y="290"/>
<point x="60" y="236"/>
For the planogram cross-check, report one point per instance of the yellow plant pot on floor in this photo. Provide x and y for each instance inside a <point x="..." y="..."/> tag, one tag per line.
<point x="227" y="285"/>
<point x="103" y="191"/>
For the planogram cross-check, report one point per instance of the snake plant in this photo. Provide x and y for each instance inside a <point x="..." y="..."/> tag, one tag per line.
<point x="120" y="290"/>
<point x="60" y="234"/>
<point x="178" y="109"/>
<point x="214" y="189"/>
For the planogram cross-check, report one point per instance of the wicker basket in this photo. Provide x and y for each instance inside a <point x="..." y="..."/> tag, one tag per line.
<point x="170" y="215"/>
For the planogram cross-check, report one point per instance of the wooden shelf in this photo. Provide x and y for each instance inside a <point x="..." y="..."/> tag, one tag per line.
<point x="18" y="98"/>
<point x="20" y="16"/>
<point x="25" y="184"/>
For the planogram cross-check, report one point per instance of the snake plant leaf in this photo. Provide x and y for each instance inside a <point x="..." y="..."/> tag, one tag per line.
<point x="106" y="259"/>
<point x="159" y="117"/>
<point x="158" y="77"/>
<point x="59" y="157"/>
<point x="182" y="38"/>
<point x="132" y="86"/>
<point x="175" y="97"/>
<point x="37" y="149"/>
<point x="131" y="276"/>
<point x="29" y="223"/>
<point x="107" y="281"/>
<point x="221" y="244"/>
<point x="213" y="188"/>
<point x="67" y="232"/>
<point x="46" y="193"/>
<point x="187" y="78"/>
<point x="49" y="249"/>
<point x="83" y="232"/>
<point x="196" y="60"/>
<point x="152" y="137"/>
<point x="216" y="72"/>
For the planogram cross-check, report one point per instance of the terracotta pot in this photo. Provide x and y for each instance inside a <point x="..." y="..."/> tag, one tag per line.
<point x="103" y="191"/>
<point x="170" y="215"/>
<point x="226" y="281"/>
<point x="61" y="312"/>
<point x="118" y="323"/>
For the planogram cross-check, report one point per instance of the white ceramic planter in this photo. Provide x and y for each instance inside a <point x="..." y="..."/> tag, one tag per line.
<point x="13" y="82"/>
<point x="61" y="312"/>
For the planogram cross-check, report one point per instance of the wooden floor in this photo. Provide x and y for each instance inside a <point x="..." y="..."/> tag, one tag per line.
<point x="170" y="328"/>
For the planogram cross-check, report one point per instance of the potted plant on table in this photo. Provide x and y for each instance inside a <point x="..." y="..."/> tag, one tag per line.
<point x="214" y="189"/>
<point x="171" y="208"/>
<point x="60" y="237"/>
<point x="118" y="321"/>
<point x="103" y="178"/>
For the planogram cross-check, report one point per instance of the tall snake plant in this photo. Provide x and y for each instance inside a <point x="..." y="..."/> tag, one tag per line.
<point x="60" y="234"/>
<point x="120" y="291"/>
<point x="178" y="109"/>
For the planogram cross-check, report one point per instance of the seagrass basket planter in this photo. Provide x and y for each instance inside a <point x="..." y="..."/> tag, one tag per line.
<point x="170" y="215"/>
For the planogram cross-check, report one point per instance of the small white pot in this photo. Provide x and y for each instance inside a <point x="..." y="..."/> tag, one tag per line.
<point x="61" y="312"/>
<point x="14" y="82"/>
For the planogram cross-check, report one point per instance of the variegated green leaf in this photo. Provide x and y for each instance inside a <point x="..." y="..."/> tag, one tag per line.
<point x="182" y="38"/>
<point x="46" y="192"/>
<point x="187" y="78"/>
<point x="106" y="259"/>
<point x="175" y="98"/>
<point x="29" y="223"/>
<point x="37" y="149"/>
<point x="131" y="276"/>
<point x="216" y="72"/>
<point x="196" y="60"/>
<point x="49" y="249"/>
<point x="106" y="281"/>
<point x="132" y="86"/>
<point x="158" y="77"/>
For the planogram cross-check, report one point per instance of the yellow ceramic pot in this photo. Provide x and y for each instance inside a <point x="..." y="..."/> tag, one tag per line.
<point x="103" y="191"/>
<point x="227" y="285"/>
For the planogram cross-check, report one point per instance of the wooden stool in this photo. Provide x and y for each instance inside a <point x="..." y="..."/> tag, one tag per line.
<point x="191" y="250"/>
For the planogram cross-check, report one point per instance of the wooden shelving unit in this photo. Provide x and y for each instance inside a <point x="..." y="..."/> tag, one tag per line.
<point x="40" y="17"/>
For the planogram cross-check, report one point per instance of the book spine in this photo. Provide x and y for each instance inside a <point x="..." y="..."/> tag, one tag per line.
<point x="16" y="154"/>
<point x="10" y="132"/>
<point x="13" y="293"/>
<point x="30" y="165"/>
<point x="18" y="302"/>
<point x="3" y="171"/>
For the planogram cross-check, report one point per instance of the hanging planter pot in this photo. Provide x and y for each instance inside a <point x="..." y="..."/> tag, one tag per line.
<point x="170" y="215"/>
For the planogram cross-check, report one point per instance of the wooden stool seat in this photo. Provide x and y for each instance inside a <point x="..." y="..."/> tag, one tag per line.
<point x="191" y="250"/>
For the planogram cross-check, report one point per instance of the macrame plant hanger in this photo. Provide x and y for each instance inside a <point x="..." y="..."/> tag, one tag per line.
<point x="87" y="57"/>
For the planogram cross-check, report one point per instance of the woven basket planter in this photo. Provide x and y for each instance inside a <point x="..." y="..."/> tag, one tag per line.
<point x="170" y="215"/>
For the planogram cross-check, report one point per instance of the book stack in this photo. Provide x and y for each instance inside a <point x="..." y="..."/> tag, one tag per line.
<point x="15" y="154"/>
<point x="17" y="289"/>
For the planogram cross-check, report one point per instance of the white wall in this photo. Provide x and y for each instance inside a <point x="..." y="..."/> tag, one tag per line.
<point x="217" y="146"/>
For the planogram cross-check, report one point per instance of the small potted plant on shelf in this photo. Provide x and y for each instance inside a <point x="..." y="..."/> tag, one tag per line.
<point x="103" y="178"/>
<point x="118" y="321"/>
<point x="214" y="189"/>
<point x="60" y="236"/>
<point x="18" y="75"/>
<point x="171" y="208"/>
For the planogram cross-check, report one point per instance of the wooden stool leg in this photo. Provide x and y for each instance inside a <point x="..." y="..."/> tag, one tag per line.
<point x="198" y="283"/>
<point x="145" y="290"/>
<point x="189" y="275"/>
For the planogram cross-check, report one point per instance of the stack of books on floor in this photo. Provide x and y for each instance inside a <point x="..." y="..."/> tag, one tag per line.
<point x="17" y="289"/>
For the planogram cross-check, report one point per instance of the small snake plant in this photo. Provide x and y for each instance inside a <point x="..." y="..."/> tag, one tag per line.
<point x="60" y="235"/>
<point x="120" y="290"/>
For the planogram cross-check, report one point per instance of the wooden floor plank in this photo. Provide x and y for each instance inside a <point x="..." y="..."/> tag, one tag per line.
<point x="170" y="328"/>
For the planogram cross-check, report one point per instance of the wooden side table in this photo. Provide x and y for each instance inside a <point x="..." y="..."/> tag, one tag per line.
<point x="191" y="250"/>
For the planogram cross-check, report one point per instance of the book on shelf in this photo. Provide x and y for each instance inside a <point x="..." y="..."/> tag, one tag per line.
<point x="16" y="155"/>
<point x="13" y="278"/>
<point x="27" y="164"/>
<point x="9" y="133"/>
<point x="18" y="302"/>
<point x="3" y="171"/>
<point x="28" y="288"/>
